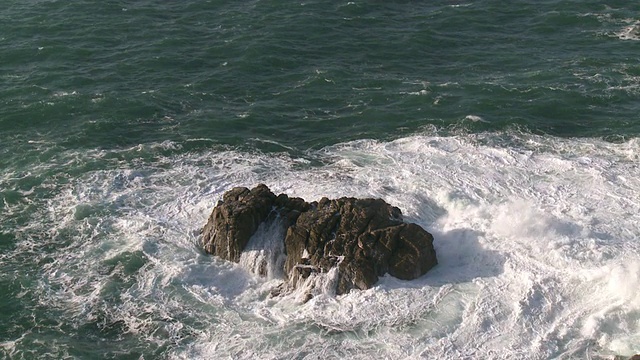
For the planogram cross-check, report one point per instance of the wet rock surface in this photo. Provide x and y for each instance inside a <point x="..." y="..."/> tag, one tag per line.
<point x="362" y="238"/>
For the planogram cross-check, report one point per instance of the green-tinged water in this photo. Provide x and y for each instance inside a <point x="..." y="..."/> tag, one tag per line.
<point x="121" y="123"/>
<point x="311" y="74"/>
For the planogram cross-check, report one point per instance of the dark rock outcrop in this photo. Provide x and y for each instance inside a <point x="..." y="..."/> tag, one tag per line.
<point x="235" y="219"/>
<point x="363" y="238"/>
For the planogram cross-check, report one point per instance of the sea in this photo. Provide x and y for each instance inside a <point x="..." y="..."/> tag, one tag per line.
<point x="508" y="129"/>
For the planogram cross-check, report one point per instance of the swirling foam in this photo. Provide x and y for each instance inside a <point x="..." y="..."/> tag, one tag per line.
<point x="536" y="238"/>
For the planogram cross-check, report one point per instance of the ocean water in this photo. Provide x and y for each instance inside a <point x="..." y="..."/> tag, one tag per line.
<point x="510" y="130"/>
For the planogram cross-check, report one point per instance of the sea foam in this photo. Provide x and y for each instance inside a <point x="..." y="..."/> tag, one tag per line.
<point x="536" y="239"/>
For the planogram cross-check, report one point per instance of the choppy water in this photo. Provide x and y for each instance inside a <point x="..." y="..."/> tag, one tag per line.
<point x="509" y="131"/>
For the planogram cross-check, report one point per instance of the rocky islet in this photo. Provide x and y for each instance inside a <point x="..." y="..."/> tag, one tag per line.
<point x="362" y="239"/>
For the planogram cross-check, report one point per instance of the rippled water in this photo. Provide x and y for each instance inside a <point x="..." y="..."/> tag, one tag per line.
<point x="509" y="131"/>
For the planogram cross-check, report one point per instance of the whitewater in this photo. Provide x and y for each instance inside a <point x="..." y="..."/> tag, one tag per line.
<point x="536" y="237"/>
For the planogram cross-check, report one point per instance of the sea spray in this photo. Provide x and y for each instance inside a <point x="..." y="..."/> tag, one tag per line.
<point x="264" y="254"/>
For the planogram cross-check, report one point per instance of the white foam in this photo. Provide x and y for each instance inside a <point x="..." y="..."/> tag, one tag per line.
<point x="536" y="240"/>
<point x="631" y="32"/>
<point x="264" y="254"/>
<point x="630" y="27"/>
<point x="475" y="118"/>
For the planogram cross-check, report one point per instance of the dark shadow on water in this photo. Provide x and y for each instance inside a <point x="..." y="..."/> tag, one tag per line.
<point x="461" y="259"/>
<point x="461" y="255"/>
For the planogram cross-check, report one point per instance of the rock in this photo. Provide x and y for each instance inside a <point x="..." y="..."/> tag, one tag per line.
<point x="363" y="238"/>
<point x="235" y="219"/>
